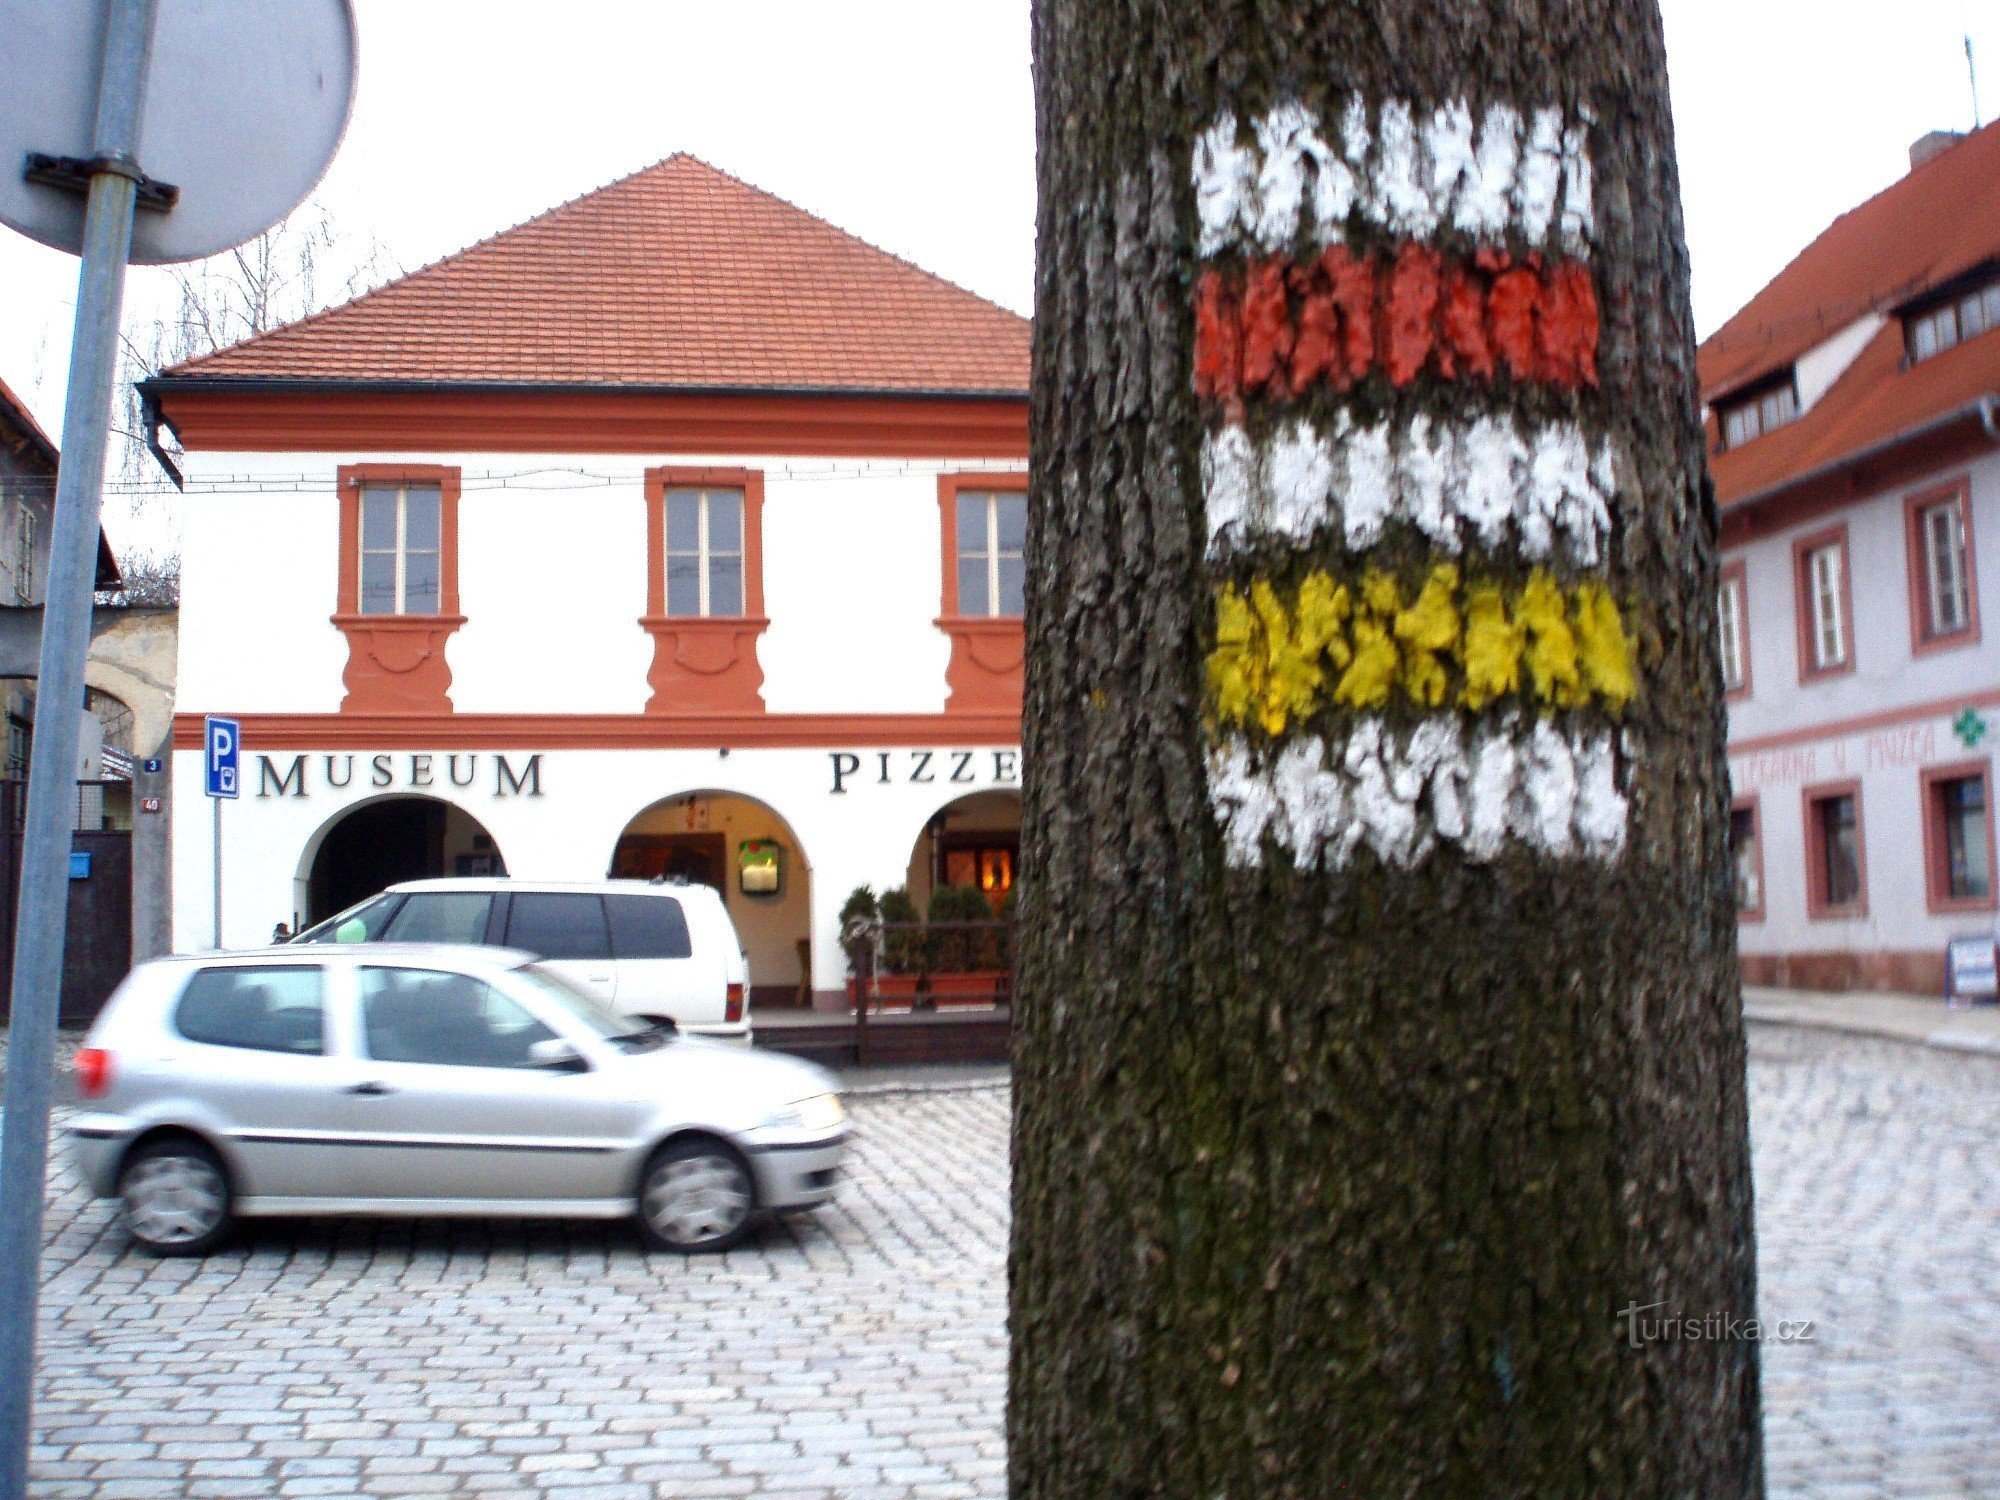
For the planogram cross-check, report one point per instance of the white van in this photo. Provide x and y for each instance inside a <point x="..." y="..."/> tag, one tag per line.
<point x="651" y="949"/>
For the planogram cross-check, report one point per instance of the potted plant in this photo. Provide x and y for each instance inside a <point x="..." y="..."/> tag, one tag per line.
<point x="906" y="959"/>
<point x="967" y="957"/>
<point x="858" y="915"/>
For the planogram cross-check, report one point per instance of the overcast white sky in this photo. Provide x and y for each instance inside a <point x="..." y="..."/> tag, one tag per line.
<point x="910" y="123"/>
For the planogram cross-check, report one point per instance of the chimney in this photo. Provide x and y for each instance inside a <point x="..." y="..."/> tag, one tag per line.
<point x="1935" y="144"/>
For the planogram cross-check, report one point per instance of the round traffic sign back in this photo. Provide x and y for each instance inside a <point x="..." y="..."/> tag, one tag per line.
<point x="245" y="104"/>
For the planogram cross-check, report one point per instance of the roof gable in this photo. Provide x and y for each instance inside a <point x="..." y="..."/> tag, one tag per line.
<point x="1936" y="221"/>
<point x="677" y="277"/>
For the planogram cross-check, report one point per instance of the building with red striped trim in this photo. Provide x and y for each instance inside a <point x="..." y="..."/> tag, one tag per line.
<point x="674" y="531"/>
<point x="1853" y="408"/>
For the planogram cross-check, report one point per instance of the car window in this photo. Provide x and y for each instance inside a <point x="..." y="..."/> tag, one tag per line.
<point x="432" y="1016"/>
<point x="358" y="924"/>
<point x="553" y="924"/>
<point x="577" y="1001"/>
<point x="270" y="1008"/>
<point x="648" y="927"/>
<point x="441" y="917"/>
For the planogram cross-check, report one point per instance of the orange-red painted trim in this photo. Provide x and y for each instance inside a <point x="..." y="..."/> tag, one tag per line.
<point x="396" y="663"/>
<point x="1748" y="802"/>
<point x="759" y="731"/>
<point x="606" y="421"/>
<point x="1937" y="881"/>
<point x="986" y="672"/>
<point x="1818" y="908"/>
<point x="1922" y="641"/>
<point x="1887" y="718"/>
<point x="1736" y="575"/>
<point x="1810" y="670"/>
<point x="705" y="664"/>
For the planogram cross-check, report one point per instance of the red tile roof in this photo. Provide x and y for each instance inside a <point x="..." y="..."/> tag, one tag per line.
<point x="679" y="276"/>
<point x="1938" y="221"/>
<point x="14" y="413"/>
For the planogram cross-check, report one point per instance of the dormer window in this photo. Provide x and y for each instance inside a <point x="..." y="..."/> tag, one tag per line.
<point x="1965" y="311"/>
<point x="1756" y="411"/>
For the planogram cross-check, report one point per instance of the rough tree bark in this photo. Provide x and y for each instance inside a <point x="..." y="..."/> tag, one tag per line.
<point x="1377" y="1027"/>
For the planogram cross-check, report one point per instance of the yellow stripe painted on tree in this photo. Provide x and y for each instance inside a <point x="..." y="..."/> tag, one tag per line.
<point x="1453" y="643"/>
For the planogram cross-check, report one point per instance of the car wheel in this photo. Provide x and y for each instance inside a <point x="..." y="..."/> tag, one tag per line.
<point x="176" y="1197"/>
<point x="696" y="1194"/>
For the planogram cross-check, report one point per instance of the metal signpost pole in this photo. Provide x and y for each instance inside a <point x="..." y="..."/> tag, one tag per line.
<point x="221" y="769"/>
<point x="39" y="927"/>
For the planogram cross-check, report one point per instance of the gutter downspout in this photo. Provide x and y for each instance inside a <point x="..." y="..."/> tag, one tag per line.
<point x="151" y="418"/>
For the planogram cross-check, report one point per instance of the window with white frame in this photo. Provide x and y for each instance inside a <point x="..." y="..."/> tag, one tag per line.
<point x="401" y="549"/>
<point x="1730" y="623"/>
<point x="24" y="555"/>
<point x="1826" y="605"/>
<point x="1947" y="594"/>
<point x="704" y="552"/>
<point x="1756" y="414"/>
<point x="1965" y="315"/>
<point x="992" y="531"/>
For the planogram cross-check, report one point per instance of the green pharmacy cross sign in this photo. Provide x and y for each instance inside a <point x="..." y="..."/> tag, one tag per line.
<point x="1970" y="728"/>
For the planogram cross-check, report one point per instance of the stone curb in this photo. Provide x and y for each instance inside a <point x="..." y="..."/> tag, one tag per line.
<point x="1946" y="1038"/>
<point x="944" y="1086"/>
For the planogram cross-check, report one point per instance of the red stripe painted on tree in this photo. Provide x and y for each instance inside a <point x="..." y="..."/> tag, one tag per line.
<point x="1280" y="328"/>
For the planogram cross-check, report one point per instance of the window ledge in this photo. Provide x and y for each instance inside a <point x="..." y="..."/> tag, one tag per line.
<point x="985" y="671"/>
<point x="705" y="664"/>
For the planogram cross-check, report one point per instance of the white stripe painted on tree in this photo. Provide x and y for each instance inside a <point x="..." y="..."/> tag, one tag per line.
<point x="1407" y="172"/>
<point x="1488" y="482"/>
<point x="1401" y="793"/>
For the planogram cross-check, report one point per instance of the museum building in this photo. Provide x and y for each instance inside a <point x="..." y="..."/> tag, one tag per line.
<point x="673" y="532"/>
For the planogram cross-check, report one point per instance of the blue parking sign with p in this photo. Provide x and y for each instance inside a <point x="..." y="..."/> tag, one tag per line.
<point x="222" y="742"/>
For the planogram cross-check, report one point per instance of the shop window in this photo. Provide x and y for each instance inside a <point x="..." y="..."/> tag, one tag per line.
<point x="1944" y="604"/>
<point x="1825" y="604"/>
<point x="704" y="552"/>
<point x="1958" y="837"/>
<point x="1746" y="850"/>
<point x="987" y="867"/>
<point x="1836" y="868"/>
<point x="992" y="530"/>
<point x="1732" y="623"/>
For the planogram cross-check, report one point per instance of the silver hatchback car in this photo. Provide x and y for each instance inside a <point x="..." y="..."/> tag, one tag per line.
<point x="408" y="1079"/>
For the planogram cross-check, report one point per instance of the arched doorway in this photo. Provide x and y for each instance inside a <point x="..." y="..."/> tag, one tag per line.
<point x="974" y="841"/>
<point x="748" y="852"/>
<point x="378" y="843"/>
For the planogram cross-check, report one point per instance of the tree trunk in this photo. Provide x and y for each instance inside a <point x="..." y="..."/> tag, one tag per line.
<point x="1378" y="1024"/>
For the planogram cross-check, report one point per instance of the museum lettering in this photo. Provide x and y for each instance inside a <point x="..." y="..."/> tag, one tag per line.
<point x="495" y="774"/>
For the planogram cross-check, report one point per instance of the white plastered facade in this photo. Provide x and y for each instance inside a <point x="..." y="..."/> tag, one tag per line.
<point x="551" y="562"/>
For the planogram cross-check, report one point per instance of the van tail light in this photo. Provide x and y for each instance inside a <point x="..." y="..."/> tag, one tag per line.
<point x="93" y="1072"/>
<point x="732" y="1009"/>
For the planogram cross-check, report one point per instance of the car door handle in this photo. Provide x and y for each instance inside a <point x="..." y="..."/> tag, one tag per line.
<point x="369" y="1090"/>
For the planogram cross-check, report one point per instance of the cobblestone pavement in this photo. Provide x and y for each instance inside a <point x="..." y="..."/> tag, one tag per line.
<point x="860" y="1352"/>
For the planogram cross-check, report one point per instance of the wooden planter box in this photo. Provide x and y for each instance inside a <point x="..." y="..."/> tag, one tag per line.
<point x="945" y="986"/>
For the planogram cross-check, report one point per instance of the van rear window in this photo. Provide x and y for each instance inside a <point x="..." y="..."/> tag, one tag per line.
<point x="648" y="927"/>
<point x="558" y="925"/>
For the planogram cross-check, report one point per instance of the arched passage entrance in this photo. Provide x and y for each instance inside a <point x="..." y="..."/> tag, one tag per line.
<point x="394" y="838"/>
<point x="974" y="841"/>
<point x="748" y="852"/>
